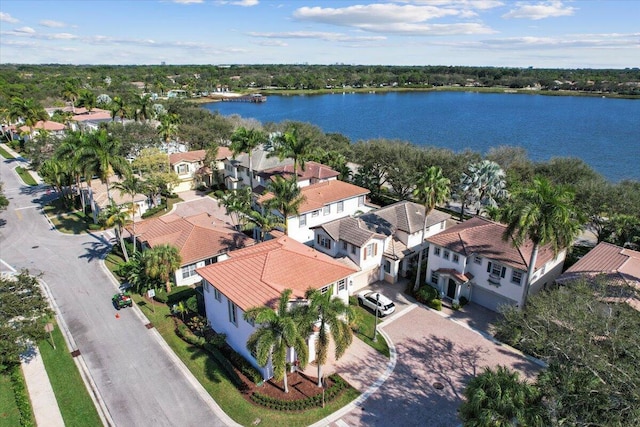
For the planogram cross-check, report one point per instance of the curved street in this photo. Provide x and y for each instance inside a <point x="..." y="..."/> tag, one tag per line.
<point x="136" y="377"/>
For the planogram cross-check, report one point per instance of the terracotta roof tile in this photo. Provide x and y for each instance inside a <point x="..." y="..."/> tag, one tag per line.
<point x="187" y="156"/>
<point x="312" y="170"/>
<point x="46" y="125"/>
<point x="196" y="237"/>
<point x="257" y="275"/>
<point x="483" y="237"/>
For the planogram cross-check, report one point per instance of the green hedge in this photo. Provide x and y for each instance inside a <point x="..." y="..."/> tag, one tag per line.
<point x="298" y="405"/>
<point x="152" y="211"/>
<point x="175" y="296"/>
<point x="22" y="398"/>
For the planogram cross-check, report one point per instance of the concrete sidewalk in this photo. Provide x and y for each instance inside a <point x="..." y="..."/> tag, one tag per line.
<point x="43" y="401"/>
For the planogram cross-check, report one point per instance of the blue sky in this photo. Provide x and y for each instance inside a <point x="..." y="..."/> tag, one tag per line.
<point x="553" y="34"/>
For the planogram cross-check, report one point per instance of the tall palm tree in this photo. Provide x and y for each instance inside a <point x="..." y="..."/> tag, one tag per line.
<point x="246" y="140"/>
<point x="117" y="216"/>
<point x="286" y="199"/>
<point x="30" y="111"/>
<point x="545" y="214"/>
<point x="500" y="399"/>
<point x="142" y="105"/>
<point x="431" y="189"/>
<point x="264" y="222"/>
<point x="237" y="204"/>
<point x="118" y="108"/>
<point x="291" y="145"/>
<point x="69" y="152"/>
<point x="331" y="315"/>
<point x="160" y="262"/>
<point x="88" y="99"/>
<point x="131" y="185"/>
<point x="168" y="126"/>
<point x="70" y="92"/>
<point x="276" y="333"/>
<point x="100" y="152"/>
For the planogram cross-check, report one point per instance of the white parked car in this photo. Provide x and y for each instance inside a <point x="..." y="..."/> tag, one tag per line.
<point x="369" y="298"/>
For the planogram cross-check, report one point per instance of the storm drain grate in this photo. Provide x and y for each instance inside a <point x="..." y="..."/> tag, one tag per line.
<point x="75" y="353"/>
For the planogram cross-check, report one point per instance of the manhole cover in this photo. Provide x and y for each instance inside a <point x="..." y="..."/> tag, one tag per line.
<point x="75" y="353"/>
<point x="438" y="385"/>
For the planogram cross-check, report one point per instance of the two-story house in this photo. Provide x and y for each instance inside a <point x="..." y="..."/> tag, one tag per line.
<point x="472" y="260"/>
<point x="236" y="170"/>
<point x="256" y="277"/>
<point x="191" y="170"/>
<point x="313" y="173"/>
<point x="383" y="244"/>
<point x="200" y="239"/>
<point x="323" y="202"/>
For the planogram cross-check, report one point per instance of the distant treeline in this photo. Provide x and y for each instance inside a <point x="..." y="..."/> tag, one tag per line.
<point x="44" y="82"/>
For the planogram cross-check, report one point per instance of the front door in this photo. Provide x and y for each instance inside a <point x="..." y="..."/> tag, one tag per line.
<point x="451" y="289"/>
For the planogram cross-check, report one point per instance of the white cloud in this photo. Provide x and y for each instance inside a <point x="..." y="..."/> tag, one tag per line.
<point x="549" y="9"/>
<point x="5" y="17"/>
<point x="575" y="41"/>
<point x="243" y="3"/>
<point x="333" y="37"/>
<point x="25" y="30"/>
<point x="188" y="1"/>
<point x="52" y="24"/>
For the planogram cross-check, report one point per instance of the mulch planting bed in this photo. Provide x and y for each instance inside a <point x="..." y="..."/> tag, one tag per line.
<point x="300" y="385"/>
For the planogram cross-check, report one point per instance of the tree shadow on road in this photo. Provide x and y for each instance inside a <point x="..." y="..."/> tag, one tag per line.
<point x="96" y="250"/>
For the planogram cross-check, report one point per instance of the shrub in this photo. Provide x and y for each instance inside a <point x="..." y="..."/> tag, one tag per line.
<point x="224" y="363"/>
<point x="455" y="306"/>
<point x="161" y="296"/>
<point x="218" y="340"/>
<point x="463" y="301"/>
<point x="152" y="211"/>
<point x="180" y="294"/>
<point x="22" y="397"/>
<point x="192" y="303"/>
<point x="436" y="304"/>
<point x="427" y="293"/>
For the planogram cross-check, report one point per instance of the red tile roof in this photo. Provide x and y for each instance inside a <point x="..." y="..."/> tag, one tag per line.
<point x="257" y="275"/>
<point x="480" y="236"/>
<point x="197" y="237"/>
<point x="312" y="170"/>
<point x="606" y="258"/>
<point x="95" y="114"/>
<point x="46" y="125"/>
<point x="197" y="155"/>
<point x="323" y="193"/>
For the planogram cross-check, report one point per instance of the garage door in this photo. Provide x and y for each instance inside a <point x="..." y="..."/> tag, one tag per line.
<point x="488" y="299"/>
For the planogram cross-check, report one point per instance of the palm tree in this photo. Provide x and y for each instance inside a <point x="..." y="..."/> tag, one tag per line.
<point x="70" y="93"/>
<point x="131" y="185"/>
<point x="100" y="152"/>
<point x="118" y="108"/>
<point x="276" y="333"/>
<point x="544" y="214"/>
<point x="69" y="152"/>
<point x="431" y="189"/>
<point x="500" y="399"/>
<point x="237" y="204"/>
<point x="486" y="183"/>
<point x="30" y="111"/>
<point x="246" y="140"/>
<point x="142" y="105"/>
<point x="331" y="316"/>
<point x="88" y="99"/>
<point x="265" y="223"/>
<point x="286" y="199"/>
<point x="168" y="126"/>
<point x="160" y="262"/>
<point x="291" y="145"/>
<point x="116" y="215"/>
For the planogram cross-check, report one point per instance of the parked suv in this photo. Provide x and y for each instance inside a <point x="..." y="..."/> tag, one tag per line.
<point x="369" y="298"/>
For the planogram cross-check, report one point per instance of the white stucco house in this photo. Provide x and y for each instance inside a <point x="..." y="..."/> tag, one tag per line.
<point x="472" y="260"/>
<point x="256" y="277"/>
<point x="96" y="196"/>
<point x="383" y="244"/>
<point x="200" y="239"/>
<point x="236" y="170"/>
<point x="191" y="170"/>
<point x="323" y="202"/>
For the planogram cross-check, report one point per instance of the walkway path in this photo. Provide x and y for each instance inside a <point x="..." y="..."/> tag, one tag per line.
<point x="43" y="401"/>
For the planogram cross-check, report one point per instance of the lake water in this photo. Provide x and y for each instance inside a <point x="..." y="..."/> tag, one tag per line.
<point x="604" y="132"/>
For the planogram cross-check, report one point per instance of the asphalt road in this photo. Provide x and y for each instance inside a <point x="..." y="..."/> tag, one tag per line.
<point x="140" y="382"/>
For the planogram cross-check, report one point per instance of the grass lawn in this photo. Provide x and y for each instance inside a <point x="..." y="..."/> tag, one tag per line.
<point x="4" y="153"/>
<point x="25" y="176"/>
<point x="214" y="380"/>
<point x="76" y="406"/>
<point x="70" y="222"/>
<point x="9" y="413"/>
<point x="365" y="321"/>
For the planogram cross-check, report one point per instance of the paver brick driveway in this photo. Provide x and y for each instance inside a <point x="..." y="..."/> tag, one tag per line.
<point x="431" y="349"/>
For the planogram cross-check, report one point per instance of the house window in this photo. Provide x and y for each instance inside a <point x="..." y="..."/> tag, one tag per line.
<point x="303" y="220"/>
<point x="342" y="285"/>
<point x="182" y="169"/>
<point x="360" y="200"/>
<point x="188" y="271"/>
<point x="205" y="286"/>
<point x="477" y="259"/>
<point x="371" y="250"/>
<point x="353" y="249"/>
<point x="496" y="271"/>
<point x="344" y="245"/>
<point x="456" y="258"/>
<point x="324" y="290"/>
<point x="233" y="312"/>
<point x="217" y="294"/>
<point x="252" y="323"/>
<point x="315" y="214"/>
<point x="435" y="277"/>
<point x="442" y="225"/>
<point x="387" y="266"/>
<point x="445" y="255"/>
<point x="326" y="210"/>
<point x="516" y="277"/>
<point x="323" y="241"/>
<point x="340" y="206"/>
<point x="436" y="251"/>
